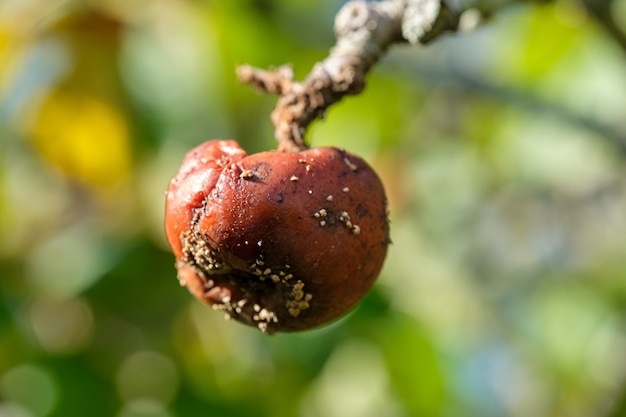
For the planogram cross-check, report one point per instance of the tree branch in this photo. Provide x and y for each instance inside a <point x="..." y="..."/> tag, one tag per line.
<point x="364" y="31"/>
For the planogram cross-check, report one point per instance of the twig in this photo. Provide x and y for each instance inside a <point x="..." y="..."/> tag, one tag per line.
<point x="364" y="31"/>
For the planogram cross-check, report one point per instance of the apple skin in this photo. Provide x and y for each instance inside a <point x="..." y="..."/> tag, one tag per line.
<point x="280" y="241"/>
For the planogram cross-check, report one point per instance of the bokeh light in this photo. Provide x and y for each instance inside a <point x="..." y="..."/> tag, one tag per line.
<point x="30" y="386"/>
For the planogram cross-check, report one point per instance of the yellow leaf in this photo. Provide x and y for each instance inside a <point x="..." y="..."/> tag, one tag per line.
<point x="87" y="138"/>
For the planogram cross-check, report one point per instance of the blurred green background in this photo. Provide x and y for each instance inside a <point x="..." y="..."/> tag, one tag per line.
<point x="502" y="151"/>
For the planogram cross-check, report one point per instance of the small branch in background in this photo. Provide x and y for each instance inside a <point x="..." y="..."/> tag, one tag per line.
<point x="601" y="11"/>
<point x="364" y="31"/>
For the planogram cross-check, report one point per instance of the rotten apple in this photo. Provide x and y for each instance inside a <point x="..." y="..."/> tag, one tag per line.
<point x="280" y="241"/>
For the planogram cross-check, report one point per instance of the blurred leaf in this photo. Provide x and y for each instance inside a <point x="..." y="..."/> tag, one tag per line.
<point x="413" y="365"/>
<point x="85" y="136"/>
<point x="551" y="35"/>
